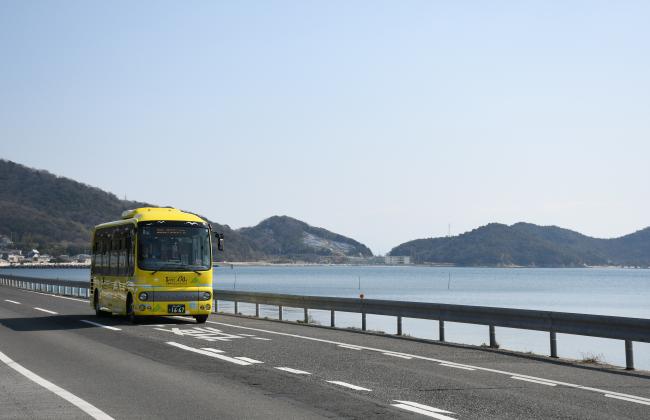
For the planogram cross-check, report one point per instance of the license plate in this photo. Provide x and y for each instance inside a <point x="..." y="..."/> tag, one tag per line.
<point x="175" y="309"/>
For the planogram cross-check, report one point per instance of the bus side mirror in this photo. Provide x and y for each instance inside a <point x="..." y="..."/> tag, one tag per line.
<point x="219" y="237"/>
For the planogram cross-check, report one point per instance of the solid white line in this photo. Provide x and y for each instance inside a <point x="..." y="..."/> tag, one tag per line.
<point x="56" y="296"/>
<point x="345" y="346"/>
<point x="401" y="356"/>
<point x="209" y="353"/>
<point x="431" y="359"/>
<point x="88" y="408"/>
<point x="212" y="350"/>
<point x="296" y="371"/>
<point x="424" y="407"/>
<point x="45" y="310"/>
<point x="108" y="327"/>
<point x="427" y="413"/>
<point x="533" y="380"/>
<point x="248" y="359"/>
<point x="347" y="385"/>
<point x="12" y="301"/>
<point x="627" y="399"/>
<point x="456" y="366"/>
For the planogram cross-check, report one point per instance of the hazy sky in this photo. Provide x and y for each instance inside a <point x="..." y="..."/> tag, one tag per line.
<point x="384" y="121"/>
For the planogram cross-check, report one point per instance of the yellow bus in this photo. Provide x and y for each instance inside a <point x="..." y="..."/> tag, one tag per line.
<point x="153" y="262"/>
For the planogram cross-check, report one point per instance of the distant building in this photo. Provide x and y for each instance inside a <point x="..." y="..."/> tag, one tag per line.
<point x="397" y="260"/>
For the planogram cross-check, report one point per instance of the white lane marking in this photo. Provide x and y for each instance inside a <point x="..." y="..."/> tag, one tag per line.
<point x="212" y="350"/>
<point x="347" y="385"/>
<point x="296" y="371"/>
<point x="247" y="335"/>
<point x="260" y="338"/>
<point x="46" y="311"/>
<point x="108" y="327"/>
<point x="345" y="346"/>
<point x="209" y="353"/>
<point x="424" y="407"/>
<point x="248" y="359"/>
<point x="431" y="359"/>
<point x="88" y="408"/>
<point x="56" y="296"/>
<point x="627" y="399"/>
<point x="12" y="301"/>
<point x="425" y="410"/>
<point x="456" y="366"/>
<point x="533" y="380"/>
<point x="401" y="356"/>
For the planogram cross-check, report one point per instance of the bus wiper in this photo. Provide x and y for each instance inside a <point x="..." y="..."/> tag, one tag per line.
<point x="162" y="267"/>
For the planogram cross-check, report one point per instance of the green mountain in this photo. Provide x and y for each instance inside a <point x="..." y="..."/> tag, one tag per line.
<point x="286" y="238"/>
<point x="529" y="245"/>
<point x="55" y="215"/>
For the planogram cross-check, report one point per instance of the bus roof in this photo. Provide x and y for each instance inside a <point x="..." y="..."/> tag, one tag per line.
<point x="144" y="214"/>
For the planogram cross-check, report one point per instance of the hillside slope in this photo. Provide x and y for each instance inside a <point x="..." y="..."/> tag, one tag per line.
<point x="56" y="214"/>
<point x="529" y="245"/>
<point x="285" y="237"/>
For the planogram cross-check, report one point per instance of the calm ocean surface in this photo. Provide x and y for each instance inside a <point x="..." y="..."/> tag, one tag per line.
<point x="618" y="292"/>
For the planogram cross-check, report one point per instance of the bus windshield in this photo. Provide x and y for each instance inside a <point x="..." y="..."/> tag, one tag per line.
<point x="174" y="246"/>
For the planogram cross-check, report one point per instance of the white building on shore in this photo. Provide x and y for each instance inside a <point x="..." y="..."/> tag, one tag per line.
<point x="397" y="260"/>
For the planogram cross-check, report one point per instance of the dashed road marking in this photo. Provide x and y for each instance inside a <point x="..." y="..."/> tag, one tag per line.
<point x="247" y="335"/>
<point x="628" y="399"/>
<point x="212" y="350"/>
<point x="425" y="410"/>
<point x="12" y="301"/>
<point x="635" y="398"/>
<point x="108" y="327"/>
<point x="260" y="338"/>
<point x="456" y="366"/>
<point x="248" y="359"/>
<point x="88" y="408"/>
<point x="46" y="311"/>
<point x="291" y="370"/>
<point x="351" y="386"/>
<point x="519" y="378"/>
<point x="209" y="353"/>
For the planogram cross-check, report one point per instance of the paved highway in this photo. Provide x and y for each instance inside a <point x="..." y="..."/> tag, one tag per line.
<point x="58" y="360"/>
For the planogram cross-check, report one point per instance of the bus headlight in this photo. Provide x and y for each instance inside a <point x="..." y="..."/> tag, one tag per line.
<point x="143" y="296"/>
<point x="206" y="296"/>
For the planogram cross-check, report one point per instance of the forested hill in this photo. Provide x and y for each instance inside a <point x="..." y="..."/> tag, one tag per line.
<point x="51" y="213"/>
<point x="55" y="215"/>
<point x="529" y="245"/>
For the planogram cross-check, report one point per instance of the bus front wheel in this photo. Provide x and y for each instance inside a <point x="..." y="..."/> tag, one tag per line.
<point x="200" y="319"/>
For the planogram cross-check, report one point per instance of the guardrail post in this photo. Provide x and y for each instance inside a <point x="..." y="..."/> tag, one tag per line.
<point x="236" y="308"/>
<point x="399" y="325"/>
<point x="257" y="310"/>
<point x="280" y="312"/>
<point x="553" y="344"/>
<point x="306" y="315"/>
<point x="629" y="355"/>
<point x="441" y="330"/>
<point x="493" y="339"/>
<point x="363" y="321"/>
<point x="332" y="318"/>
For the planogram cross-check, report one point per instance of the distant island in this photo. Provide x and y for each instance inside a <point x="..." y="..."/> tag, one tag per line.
<point x="529" y="245"/>
<point x="50" y="217"/>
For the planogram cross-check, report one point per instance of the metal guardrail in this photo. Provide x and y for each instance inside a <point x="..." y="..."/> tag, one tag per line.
<point x="614" y="327"/>
<point x="622" y="328"/>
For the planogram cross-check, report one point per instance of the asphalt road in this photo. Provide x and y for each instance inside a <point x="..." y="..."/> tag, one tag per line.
<point x="58" y="360"/>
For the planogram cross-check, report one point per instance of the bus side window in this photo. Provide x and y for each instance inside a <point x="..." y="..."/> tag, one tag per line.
<point x="129" y="252"/>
